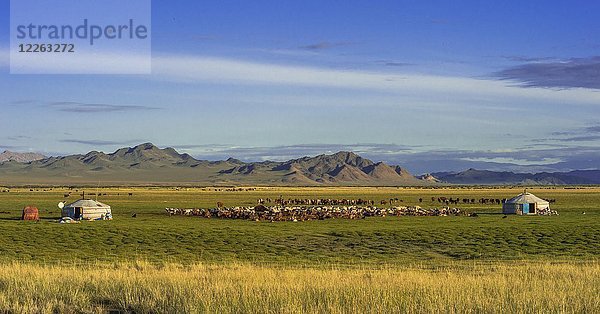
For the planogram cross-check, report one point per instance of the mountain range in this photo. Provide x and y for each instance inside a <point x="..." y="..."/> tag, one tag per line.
<point x="20" y="157"/>
<point x="474" y="176"/>
<point x="147" y="164"/>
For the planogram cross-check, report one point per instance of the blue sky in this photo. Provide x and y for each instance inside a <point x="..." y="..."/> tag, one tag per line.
<point x="458" y="82"/>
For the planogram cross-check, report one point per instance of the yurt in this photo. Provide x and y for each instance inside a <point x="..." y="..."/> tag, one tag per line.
<point x="87" y="210"/>
<point x="525" y="204"/>
<point x="31" y="213"/>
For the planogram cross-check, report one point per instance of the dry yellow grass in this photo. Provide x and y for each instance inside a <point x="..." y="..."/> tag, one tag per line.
<point x="519" y="287"/>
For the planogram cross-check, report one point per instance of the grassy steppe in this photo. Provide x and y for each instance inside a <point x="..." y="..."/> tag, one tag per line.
<point x="160" y="264"/>
<point x="155" y="237"/>
<point x="239" y="288"/>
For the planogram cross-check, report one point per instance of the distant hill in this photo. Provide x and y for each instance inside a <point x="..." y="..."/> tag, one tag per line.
<point x="20" y="157"/>
<point x="147" y="164"/>
<point x="429" y="178"/>
<point x="343" y="168"/>
<point x="473" y="176"/>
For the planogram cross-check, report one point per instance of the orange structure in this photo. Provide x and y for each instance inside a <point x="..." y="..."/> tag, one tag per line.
<point x="31" y="213"/>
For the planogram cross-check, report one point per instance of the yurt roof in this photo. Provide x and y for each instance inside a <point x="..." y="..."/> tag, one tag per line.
<point x="525" y="198"/>
<point x="87" y="203"/>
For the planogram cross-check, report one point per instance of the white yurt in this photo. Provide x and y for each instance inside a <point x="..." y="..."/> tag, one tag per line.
<point x="87" y="210"/>
<point x="525" y="204"/>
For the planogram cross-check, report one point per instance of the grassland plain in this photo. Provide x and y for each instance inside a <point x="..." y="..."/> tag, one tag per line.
<point x="155" y="237"/>
<point x="540" y="287"/>
<point x="161" y="264"/>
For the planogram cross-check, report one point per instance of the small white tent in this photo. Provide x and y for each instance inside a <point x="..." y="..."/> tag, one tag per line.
<point x="525" y="204"/>
<point x="87" y="210"/>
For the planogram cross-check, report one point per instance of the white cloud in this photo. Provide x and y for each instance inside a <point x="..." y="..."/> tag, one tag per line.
<point x="522" y="162"/>
<point x="220" y="70"/>
<point x="424" y="88"/>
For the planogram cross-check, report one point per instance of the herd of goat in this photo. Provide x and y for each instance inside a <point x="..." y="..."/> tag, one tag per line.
<point x="392" y="201"/>
<point x="304" y="209"/>
<point x="305" y="213"/>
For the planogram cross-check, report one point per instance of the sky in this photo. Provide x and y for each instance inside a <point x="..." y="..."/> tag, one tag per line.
<point x="434" y="85"/>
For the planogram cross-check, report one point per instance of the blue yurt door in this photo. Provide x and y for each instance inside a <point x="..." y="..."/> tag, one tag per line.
<point x="525" y="208"/>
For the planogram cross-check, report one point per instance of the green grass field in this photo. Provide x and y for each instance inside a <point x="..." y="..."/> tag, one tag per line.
<point x="155" y="237"/>
<point x="160" y="264"/>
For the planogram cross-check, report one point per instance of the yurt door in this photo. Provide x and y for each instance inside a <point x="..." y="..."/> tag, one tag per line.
<point x="77" y="212"/>
<point x="525" y="208"/>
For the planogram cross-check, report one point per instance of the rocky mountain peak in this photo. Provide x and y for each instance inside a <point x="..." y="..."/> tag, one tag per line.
<point x="20" y="157"/>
